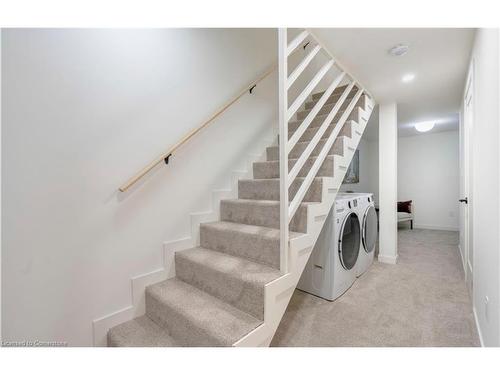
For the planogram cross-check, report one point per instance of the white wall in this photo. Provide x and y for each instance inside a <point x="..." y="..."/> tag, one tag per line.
<point x="83" y="110"/>
<point x="486" y="185"/>
<point x="428" y="174"/>
<point x="368" y="169"/>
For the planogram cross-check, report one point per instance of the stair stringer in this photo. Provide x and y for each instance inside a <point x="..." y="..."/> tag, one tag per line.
<point x="138" y="283"/>
<point x="277" y="293"/>
<point x="198" y="218"/>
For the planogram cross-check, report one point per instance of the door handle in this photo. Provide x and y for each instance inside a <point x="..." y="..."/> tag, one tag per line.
<point x="465" y="200"/>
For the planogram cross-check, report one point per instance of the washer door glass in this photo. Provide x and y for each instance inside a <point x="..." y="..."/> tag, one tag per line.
<point x="370" y="229"/>
<point x="349" y="241"/>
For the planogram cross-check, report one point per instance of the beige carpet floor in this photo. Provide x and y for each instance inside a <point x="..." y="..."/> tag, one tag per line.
<point x="420" y="301"/>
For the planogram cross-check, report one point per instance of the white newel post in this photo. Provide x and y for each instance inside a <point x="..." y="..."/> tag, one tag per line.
<point x="388" y="183"/>
<point x="283" y="141"/>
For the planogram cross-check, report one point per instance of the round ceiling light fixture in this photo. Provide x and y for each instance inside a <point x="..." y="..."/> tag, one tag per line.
<point x="399" y="50"/>
<point x="424" y="126"/>
<point x="408" y="77"/>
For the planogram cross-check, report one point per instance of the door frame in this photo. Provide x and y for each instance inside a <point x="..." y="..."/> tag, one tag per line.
<point x="467" y="176"/>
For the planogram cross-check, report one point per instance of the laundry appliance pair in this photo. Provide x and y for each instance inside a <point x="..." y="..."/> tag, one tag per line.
<point x="345" y="247"/>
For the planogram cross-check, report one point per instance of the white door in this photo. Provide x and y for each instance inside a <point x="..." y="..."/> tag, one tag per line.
<point x="466" y="178"/>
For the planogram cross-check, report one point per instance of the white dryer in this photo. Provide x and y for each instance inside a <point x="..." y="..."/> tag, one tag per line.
<point x="331" y="268"/>
<point x="364" y="206"/>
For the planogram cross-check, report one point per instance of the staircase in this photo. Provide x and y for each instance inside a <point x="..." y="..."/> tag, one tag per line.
<point x="233" y="289"/>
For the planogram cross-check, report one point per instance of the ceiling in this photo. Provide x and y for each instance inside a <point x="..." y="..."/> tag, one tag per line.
<point x="438" y="58"/>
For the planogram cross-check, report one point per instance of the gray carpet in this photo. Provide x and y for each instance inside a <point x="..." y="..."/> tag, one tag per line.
<point x="421" y="301"/>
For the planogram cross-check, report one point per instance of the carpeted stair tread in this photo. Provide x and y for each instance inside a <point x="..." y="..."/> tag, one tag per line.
<point x="269" y="189"/>
<point x="331" y="100"/>
<point x="262" y="213"/>
<point x="272" y="152"/>
<point x="270" y="169"/>
<point x="235" y="280"/>
<point x="338" y="90"/>
<point x="195" y="318"/>
<point x="310" y="132"/>
<point x="313" y="129"/>
<point x="327" y="107"/>
<point x="139" y="332"/>
<point x="316" y="123"/>
<point x="319" y="119"/>
<point x="253" y="242"/>
<point x="256" y="230"/>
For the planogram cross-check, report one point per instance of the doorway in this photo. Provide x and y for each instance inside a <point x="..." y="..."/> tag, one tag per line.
<point x="466" y="133"/>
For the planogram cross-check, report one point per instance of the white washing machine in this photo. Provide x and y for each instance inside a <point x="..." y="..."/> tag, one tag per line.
<point x="365" y="208"/>
<point x="331" y="268"/>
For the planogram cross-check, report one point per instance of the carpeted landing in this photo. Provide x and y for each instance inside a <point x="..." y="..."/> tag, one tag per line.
<point x="420" y="301"/>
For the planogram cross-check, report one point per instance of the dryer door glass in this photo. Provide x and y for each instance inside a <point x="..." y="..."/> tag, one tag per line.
<point x="370" y="229"/>
<point x="349" y="241"/>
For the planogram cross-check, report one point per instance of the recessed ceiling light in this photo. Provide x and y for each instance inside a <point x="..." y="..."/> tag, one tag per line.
<point x="408" y="77"/>
<point x="424" y="126"/>
<point x="399" y="50"/>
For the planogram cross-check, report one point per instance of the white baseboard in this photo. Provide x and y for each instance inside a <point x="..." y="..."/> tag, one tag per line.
<point x="138" y="284"/>
<point x="389" y="259"/>
<point x="434" y="227"/>
<point x="477" y="326"/>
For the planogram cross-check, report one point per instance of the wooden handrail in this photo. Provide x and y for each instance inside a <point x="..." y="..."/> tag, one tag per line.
<point x="164" y="157"/>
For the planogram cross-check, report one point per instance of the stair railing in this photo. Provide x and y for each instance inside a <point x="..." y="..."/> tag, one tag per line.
<point x="289" y="175"/>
